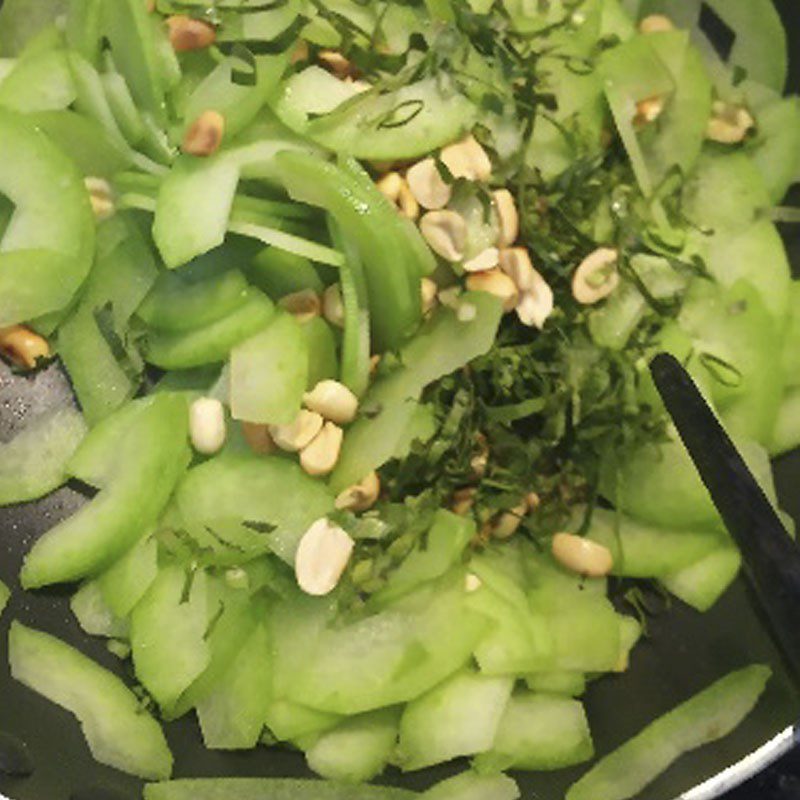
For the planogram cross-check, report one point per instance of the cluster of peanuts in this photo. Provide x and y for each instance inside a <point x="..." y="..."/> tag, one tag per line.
<point x="316" y="435"/>
<point x="325" y="549"/>
<point x="729" y="123"/>
<point x="504" y="268"/>
<point x="504" y="524"/>
<point x="575" y="553"/>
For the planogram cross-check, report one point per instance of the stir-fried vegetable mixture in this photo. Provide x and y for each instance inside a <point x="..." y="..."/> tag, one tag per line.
<point x="357" y="301"/>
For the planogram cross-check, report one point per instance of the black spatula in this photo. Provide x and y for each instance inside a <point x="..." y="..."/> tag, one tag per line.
<point x="771" y="558"/>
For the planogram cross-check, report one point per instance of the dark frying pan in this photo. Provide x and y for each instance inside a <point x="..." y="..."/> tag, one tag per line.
<point x="686" y="652"/>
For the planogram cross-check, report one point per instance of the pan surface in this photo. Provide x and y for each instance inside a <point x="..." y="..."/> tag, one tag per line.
<point x="686" y="652"/>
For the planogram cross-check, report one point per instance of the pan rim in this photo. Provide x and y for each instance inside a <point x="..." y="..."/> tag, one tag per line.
<point x="747" y="767"/>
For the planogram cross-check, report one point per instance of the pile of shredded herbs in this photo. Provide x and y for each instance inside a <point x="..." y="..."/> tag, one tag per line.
<point x="544" y="412"/>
